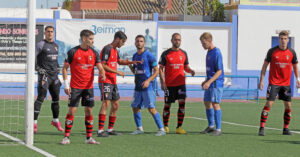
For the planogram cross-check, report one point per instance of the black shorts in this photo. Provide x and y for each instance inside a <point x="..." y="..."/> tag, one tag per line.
<point x="284" y="93"/>
<point x="86" y="95"/>
<point x="109" y="91"/>
<point x="51" y="83"/>
<point x="175" y="93"/>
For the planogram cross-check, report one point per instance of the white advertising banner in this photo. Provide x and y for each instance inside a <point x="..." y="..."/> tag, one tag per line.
<point x="191" y="44"/>
<point x="68" y="35"/>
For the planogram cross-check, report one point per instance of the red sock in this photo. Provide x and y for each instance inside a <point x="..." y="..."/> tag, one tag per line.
<point x="286" y="118"/>
<point x="68" y="124"/>
<point x="89" y="125"/>
<point x="166" y="115"/>
<point x="111" y="122"/>
<point x="102" y="118"/>
<point x="180" y="114"/>
<point x="264" y="116"/>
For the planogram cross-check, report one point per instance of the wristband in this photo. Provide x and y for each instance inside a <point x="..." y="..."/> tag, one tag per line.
<point x="66" y="83"/>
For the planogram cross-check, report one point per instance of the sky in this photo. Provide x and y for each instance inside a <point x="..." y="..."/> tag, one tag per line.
<point x="23" y="3"/>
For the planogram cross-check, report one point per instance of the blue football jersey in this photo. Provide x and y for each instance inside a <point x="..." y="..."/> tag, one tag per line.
<point x="214" y="62"/>
<point x="143" y="71"/>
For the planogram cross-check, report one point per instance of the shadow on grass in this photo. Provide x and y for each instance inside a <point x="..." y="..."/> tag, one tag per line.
<point x="281" y="141"/>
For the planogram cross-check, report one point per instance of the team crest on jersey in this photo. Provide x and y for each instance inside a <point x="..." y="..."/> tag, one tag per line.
<point x="180" y="57"/>
<point x="287" y="57"/>
<point x="79" y="58"/>
<point x="90" y="57"/>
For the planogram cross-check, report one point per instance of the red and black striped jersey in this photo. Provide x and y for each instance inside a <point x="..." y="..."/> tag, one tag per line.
<point x="174" y="63"/>
<point x="281" y="65"/>
<point x="82" y="63"/>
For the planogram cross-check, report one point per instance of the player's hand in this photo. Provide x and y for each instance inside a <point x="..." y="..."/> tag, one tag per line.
<point x="68" y="91"/>
<point x="261" y="86"/>
<point x="145" y="84"/>
<point x="205" y="85"/>
<point x="136" y="62"/>
<point x="103" y="77"/>
<point x="192" y="72"/>
<point x="41" y="71"/>
<point x="163" y="86"/>
<point x="298" y="84"/>
<point x="121" y="73"/>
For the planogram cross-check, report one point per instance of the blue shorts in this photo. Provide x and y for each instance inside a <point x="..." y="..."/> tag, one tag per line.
<point x="213" y="95"/>
<point x="143" y="99"/>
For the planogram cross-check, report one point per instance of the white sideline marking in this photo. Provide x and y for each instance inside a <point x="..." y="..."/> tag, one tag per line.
<point x="30" y="147"/>
<point x="244" y="125"/>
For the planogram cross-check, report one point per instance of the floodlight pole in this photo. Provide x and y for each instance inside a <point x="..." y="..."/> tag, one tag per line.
<point x="29" y="109"/>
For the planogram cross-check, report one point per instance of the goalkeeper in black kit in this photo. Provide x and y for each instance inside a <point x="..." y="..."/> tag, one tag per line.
<point x="47" y="68"/>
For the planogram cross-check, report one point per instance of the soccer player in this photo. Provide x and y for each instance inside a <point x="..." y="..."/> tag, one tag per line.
<point x="144" y="95"/>
<point x="109" y="90"/>
<point x="213" y="85"/>
<point x="47" y="67"/>
<point x="173" y="62"/>
<point x="281" y="59"/>
<point x="81" y="59"/>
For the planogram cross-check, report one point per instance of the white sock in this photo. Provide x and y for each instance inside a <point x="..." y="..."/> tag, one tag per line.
<point x="35" y="121"/>
<point x="161" y="129"/>
<point x="55" y="120"/>
<point x="140" y="128"/>
<point x="110" y="130"/>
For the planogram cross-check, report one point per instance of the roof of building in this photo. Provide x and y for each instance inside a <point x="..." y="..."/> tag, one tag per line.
<point x="139" y="6"/>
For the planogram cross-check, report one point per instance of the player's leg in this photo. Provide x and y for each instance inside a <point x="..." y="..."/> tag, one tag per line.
<point x="272" y="91"/>
<point x="106" y="100"/>
<point x="217" y="95"/>
<point x="169" y="99"/>
<point x="180" y="95"/>
<point x="136" y="105"/>
<point x="54" y="90"/>
<point x="285" y="95"/>
<point x="74" y="99"/>
<point x="42" y="92"/>
<point x="149" y="102"/>
<point x="113" y="111"/>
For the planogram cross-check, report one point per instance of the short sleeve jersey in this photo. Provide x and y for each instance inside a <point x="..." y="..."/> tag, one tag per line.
<point x="46" y="56"/>
<point x="143" y="71"/>
<point x="174" y="63"/>
<point x="214" y="62"/>
<point x="110" y="57"/>
<point x="82" y="63"/>
<point x="281" y="65"/>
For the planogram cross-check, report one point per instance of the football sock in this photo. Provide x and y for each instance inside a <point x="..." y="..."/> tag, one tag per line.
<point x="157" y="120"/>
<point x="166" y="114"/>
<point x="55" y="109"/>
<point x="102" y="118"/>
<point x="89" y="126"/>
<point x="138" y="119"/>
<point x="218" y="116"/>
<point x="111" y="124"/>
<point x="210" y="117"/>
<point x="180" y="114"/>
<point x="264" y="116"/>
<point x="68" y="124"/>
<point x="287" y="118"/>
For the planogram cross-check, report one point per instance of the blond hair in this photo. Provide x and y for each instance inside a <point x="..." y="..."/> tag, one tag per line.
<point x="206" y="36"/>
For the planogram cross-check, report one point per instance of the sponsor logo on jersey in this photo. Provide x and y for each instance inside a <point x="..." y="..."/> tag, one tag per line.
<point x="91" y="57"/>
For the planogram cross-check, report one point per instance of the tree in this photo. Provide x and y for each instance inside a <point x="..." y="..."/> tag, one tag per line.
<point x="215" y="9"/>
<point x="67" y="4"/>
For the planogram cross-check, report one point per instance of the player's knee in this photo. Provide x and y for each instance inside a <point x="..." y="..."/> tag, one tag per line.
<point x="152" y="111"/>
<point x="181" y="101"/>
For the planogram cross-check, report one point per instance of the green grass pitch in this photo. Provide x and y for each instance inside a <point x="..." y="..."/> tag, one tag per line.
<point x="237" y="140"/>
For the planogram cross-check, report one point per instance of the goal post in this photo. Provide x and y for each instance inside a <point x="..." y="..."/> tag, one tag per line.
<point x="29" y="109"/>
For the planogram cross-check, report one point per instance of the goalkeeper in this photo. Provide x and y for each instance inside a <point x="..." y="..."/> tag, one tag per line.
<point x="48" y="69"/>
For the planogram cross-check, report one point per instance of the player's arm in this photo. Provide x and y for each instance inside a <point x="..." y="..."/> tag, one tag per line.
<point x="127" y="62"/>
<point x="131" y="68"/>
<point x="211" y="80"/>
<point x="108" y="69"/>
<point x="188" y="69"/>
<point x="101" y="71"/>
<point x="38" y="50"/>
<point x="262" y="74"/>
<point x="161" y="77"/>
<point x="151" y="78"/>
<point x="296" y="72"/>
<point x="65" y="78"/>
